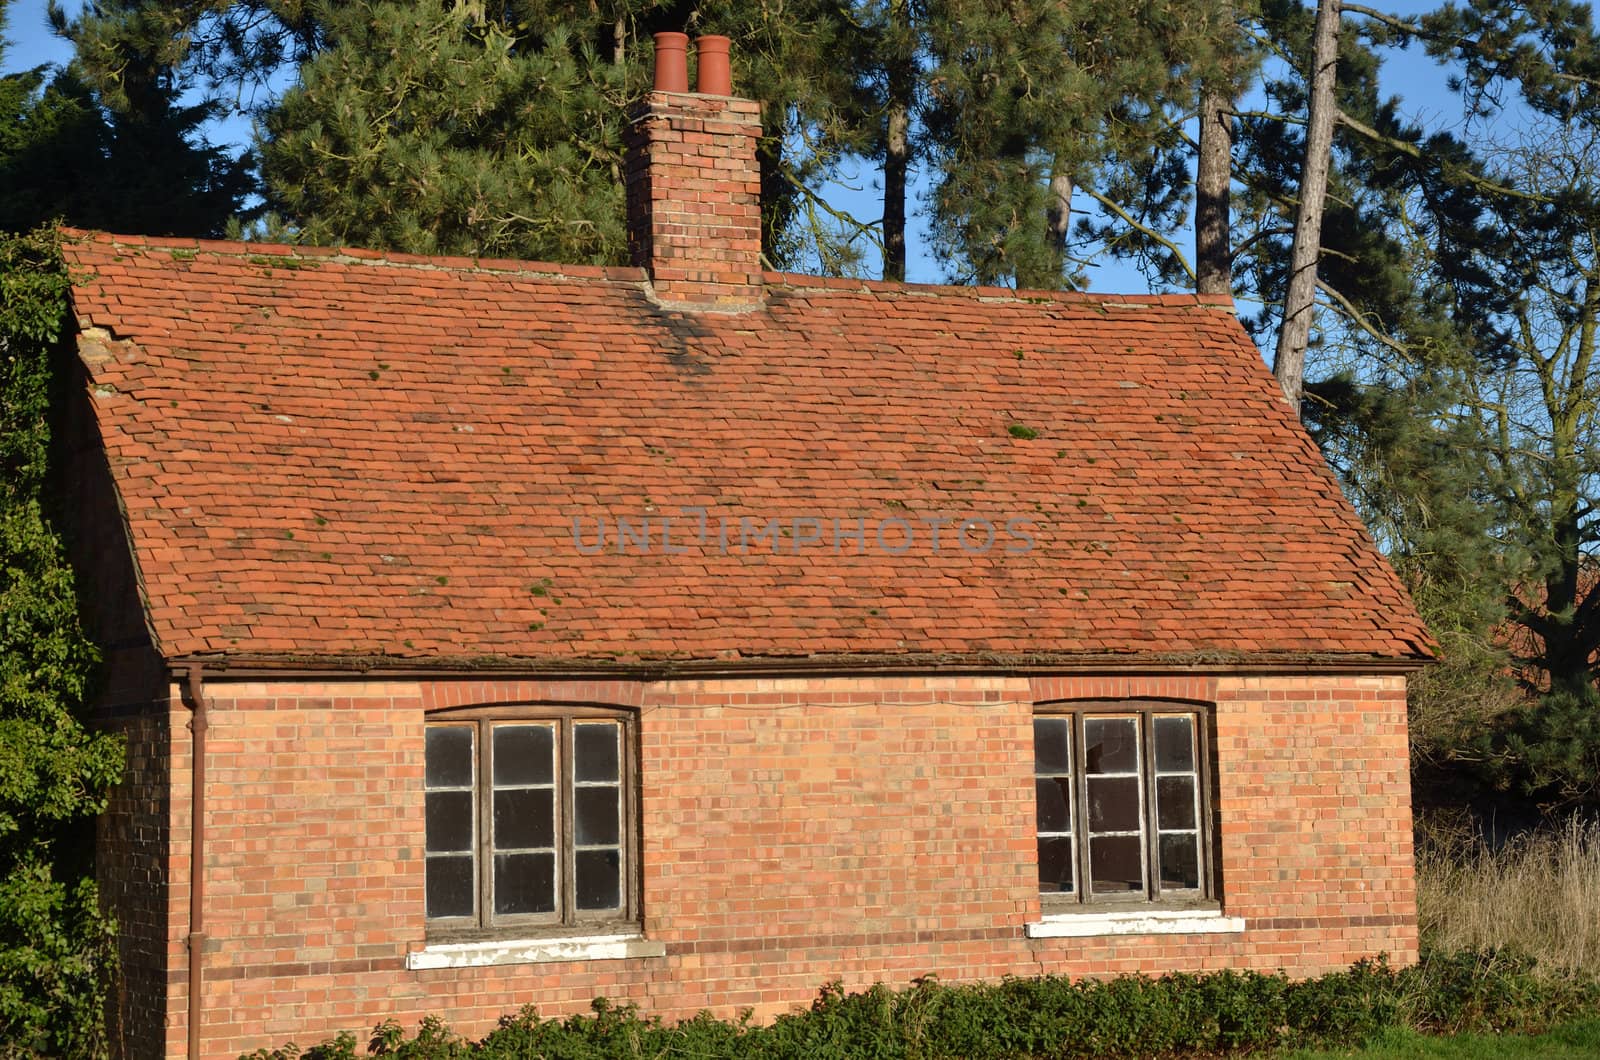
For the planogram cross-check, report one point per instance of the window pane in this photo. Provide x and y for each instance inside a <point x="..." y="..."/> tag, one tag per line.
<point x="524" y="817"/>
<point x="523" y="754"/>
<point x="524" y="883"/>
<point x="1174" y="744"/>
<point x="449" y="887"/>
<point x="447" y="756"/>
<point x="1180" y="861"/>
<point x="596" y="812"/>
<point x="1113" y="804"/>
<point x="1052" y="745"/>
<point x="1115" y="863"/>
<point x="594" y="750"/>
<point x="1111" y="745"/>
<point x="449" y="820"/>
<point x="1055" y="864"/>
<point x="1175" y="802"/>
<point x="598" y="879"/>
<point x="1052" y="808"/>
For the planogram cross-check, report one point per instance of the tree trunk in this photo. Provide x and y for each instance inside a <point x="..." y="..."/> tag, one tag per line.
<point x="1213" y="254"/>
<point x="896" y="148"/>
<point x="1058" y="215"/>
<point x="1566" y="650"/>
<point x="1299" y="304"/>
<point x="1569" y="614"/>
<point x="897" y="142"/>
<point x="896" y="162"/>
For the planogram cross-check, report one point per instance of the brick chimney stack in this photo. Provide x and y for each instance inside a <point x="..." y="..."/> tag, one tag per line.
<point x="693" y="184"/>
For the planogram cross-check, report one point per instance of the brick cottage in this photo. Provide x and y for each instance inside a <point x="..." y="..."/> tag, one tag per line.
<point x="490" y="633"/>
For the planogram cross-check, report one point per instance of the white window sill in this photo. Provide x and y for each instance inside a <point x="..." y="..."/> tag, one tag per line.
<point x="534" y="951"/>
<point x="1140" y="922"/>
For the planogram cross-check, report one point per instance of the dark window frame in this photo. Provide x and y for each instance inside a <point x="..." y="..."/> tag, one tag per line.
<point x="567" y="919"/>
<point x="1083" y="899"/>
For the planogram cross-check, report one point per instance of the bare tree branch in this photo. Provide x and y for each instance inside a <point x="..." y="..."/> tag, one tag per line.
<point x="1144" y="230"/>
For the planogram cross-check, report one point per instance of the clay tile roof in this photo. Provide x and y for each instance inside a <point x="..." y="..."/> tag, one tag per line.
<point x="335" y="453"/>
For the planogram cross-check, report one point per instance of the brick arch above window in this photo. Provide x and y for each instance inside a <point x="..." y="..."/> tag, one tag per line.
<point x="1197" y="688"/>
<point x="463" y="694"/>
<point x="1196" y="703"/>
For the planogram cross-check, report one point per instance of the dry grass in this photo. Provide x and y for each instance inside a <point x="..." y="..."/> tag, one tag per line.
<point x="1538" y="893"/>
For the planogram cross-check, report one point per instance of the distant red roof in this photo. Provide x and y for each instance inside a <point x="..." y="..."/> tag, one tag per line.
<point x="332" y="454"/>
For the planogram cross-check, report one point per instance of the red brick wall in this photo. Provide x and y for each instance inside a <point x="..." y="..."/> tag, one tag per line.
<point x="131" y="867"/>
<point x="794" y="831"/>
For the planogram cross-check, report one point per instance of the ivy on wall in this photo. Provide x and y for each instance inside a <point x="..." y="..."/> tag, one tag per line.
<point x="57" y="948"/>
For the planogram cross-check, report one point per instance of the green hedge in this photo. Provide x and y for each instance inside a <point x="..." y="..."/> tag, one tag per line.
<point x="1129" y="1016"/>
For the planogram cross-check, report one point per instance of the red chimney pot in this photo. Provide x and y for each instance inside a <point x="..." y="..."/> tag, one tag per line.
<point x="714" y="77"/>
<point x="672" y="63"/>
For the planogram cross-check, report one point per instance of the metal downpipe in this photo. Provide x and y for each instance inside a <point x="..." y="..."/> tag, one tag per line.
<point x="197" y="849"/>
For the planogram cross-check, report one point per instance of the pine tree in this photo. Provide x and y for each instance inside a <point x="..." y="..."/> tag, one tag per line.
<point x="879" y="109"/>
<point x="1032" y="104"/>
<point x="66" y="156"/>
<point x="1465" y="273"/>
<point x="424" y="128"/>
<point x="455" y="162"/>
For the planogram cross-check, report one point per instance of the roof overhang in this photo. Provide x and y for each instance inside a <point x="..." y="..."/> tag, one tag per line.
<point x="968" y="664"/>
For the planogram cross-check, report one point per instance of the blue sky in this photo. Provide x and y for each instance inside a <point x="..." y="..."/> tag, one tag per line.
<point x="1412" y="76"/>
<point x="28" y="38"/>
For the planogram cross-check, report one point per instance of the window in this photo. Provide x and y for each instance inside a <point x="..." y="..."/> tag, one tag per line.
<point x="529" y="823"/>
<point x="1120" y="796"/>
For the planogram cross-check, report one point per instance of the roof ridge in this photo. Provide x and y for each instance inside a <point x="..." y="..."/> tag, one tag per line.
<point x="634" y="274"/>
<point x="1000" y="294"/>
<point x="245" y="249"/>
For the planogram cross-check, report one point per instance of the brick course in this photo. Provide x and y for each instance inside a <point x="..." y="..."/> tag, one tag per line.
<point x="794" y="831"/>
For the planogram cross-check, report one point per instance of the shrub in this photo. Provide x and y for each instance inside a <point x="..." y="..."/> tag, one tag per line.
<point x="1491" y="990"/>
<point x="1051" y="1017"/>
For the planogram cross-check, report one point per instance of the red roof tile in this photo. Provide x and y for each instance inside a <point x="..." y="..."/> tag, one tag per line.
<point x="326" y="453"/>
